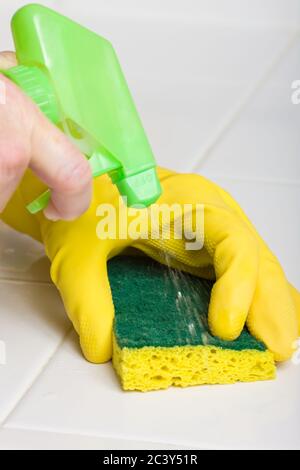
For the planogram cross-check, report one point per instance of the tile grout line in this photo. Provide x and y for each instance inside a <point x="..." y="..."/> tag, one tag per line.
<point x="87" y="435"/>
<point x="233" y="116"/>
<point x="245" y="179"/>
<point x="8" y="280"/>
<point x="33" y="381"/>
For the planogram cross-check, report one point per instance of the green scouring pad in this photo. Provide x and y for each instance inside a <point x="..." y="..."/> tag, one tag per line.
<point x="161" y="334"/>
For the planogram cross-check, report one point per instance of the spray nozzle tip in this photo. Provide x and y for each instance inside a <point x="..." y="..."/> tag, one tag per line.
<point x="141" y="190"/>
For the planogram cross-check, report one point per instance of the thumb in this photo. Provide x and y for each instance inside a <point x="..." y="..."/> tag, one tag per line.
<point x="272" y="317"/>
<point x="84" y="287"/>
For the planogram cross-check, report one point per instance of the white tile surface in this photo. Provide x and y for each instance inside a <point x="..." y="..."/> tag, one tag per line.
<point x="274" y="210"/>
<point x="21" y="258"/>
<point x="32" y="325"/>
<point x="239" y="416"/>
<point x="12" y="439"/>
<point x="265" y="141"/>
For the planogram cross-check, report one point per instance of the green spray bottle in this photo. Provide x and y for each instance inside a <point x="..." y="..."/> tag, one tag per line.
<point x="75" y="78"/>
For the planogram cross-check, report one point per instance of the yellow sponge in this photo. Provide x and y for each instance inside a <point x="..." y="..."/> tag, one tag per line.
<point x="161" y="335"/>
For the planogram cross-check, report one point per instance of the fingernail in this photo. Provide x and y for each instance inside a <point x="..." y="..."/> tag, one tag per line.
<point x="2" y="207"/>
<point x="51" y="214"/>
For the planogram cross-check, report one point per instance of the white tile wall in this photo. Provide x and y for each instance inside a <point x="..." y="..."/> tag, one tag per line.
<point x="212" y="81"/>
<point x="265" y="142"/>
<point x="271" y="13"/>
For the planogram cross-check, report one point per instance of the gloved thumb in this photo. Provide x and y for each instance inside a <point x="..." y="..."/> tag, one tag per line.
<point x="296" y="298"/>
<point x="235" y="256"/>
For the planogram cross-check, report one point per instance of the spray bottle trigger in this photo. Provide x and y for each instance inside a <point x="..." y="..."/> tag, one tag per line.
<point x="40" y="203"/>
<point x="100" y="165"/>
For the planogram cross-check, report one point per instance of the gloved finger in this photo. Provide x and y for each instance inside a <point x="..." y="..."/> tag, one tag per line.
<point x="235" y="257"/>
<point x="272" y="317"/>
<point x="296" y="298"/>
<point x="230" y="201"/>
<point x="84" y="286"/>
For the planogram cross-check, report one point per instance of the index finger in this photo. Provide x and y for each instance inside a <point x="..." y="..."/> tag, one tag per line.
<point x="52" y="157"/>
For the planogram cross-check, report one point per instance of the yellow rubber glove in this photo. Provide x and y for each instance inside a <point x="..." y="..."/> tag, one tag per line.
<point x="251" y="286"/>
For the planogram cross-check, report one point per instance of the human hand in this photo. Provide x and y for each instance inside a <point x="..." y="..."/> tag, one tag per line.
<point x="29" y="140"/>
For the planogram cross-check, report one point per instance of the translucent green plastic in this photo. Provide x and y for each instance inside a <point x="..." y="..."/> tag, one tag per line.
<point x="75" y="77"/>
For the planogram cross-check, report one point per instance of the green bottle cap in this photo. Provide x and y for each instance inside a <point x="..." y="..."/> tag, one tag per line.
<point x="36" y="84"/>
